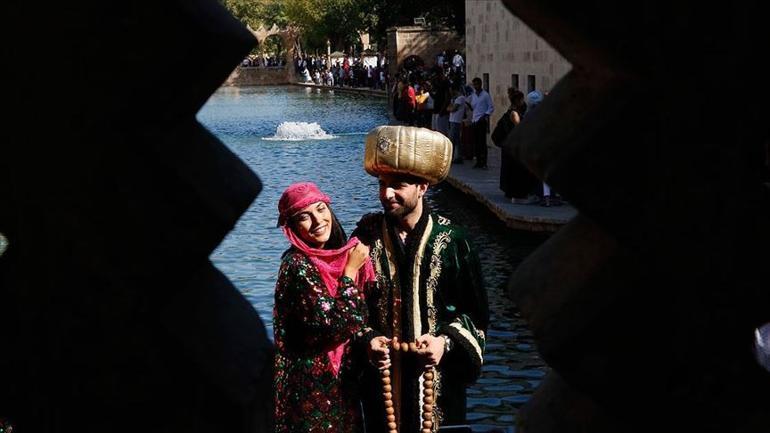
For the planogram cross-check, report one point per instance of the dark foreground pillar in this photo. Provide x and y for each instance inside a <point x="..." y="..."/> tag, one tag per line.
<point x="646" y="304"/>
<point x="112" y="317"/>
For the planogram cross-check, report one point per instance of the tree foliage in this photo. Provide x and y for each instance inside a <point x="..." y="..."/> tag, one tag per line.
<point x="445" y="13"/>
<point x="257" y="13"/>
<point x="340" y="21"/>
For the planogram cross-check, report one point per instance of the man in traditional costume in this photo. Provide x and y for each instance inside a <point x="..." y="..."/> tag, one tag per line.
<point x="429" y="290"/>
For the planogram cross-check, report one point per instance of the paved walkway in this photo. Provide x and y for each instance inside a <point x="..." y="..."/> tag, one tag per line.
<point x="484" y="186"/>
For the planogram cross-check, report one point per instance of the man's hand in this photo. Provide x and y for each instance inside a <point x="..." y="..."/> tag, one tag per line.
<point x="431" y="349"/>
<point x="379" y="354"/>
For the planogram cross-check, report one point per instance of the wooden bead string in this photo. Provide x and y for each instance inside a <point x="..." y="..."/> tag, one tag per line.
<point x="428" y="392"/>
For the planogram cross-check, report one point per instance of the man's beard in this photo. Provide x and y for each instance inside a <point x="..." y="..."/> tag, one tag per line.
<point x="400" y="212"/>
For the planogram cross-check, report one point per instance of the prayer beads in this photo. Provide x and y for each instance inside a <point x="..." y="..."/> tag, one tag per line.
<point x="428" y="377"/>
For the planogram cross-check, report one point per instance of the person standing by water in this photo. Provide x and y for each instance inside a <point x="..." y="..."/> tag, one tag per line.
<point x="430" y="291"/>
<point x="319" y="307"/>
<point x="398" y="88"/>
<point x="424" y="107"/>
<point x="481" y="104"/>
<point x="408" y="102"/>
<point x="456" y="111"/>
<point x="442" y="98"/>
<point x="548" y="197"/>
<point x="516" y="181"/>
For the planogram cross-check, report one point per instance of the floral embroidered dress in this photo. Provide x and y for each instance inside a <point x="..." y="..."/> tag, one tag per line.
<point x="308" y="322"/>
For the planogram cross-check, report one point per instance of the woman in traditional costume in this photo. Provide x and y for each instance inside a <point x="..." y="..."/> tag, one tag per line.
<point x="319" y="308"/>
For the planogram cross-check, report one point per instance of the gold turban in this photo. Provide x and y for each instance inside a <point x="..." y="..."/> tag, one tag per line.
<point x="408" y="150"/>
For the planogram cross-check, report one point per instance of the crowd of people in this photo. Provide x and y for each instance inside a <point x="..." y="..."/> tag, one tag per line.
<point x="348" y="71"/>
<point x="262" y="61"/>
<point x="438" y="98"/>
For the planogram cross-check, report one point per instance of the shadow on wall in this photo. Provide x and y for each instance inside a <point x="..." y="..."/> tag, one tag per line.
<point x="260" y="76"/>
<point x="425" y="43"/>
<point x="113" y="319"/>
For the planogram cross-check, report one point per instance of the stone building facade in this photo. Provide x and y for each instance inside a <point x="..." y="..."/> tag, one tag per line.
<point x="502" y="51"/>
<point x="424" y="42"/>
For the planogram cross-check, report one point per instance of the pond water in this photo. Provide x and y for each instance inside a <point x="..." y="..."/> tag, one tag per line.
<point x="289" y="134"/>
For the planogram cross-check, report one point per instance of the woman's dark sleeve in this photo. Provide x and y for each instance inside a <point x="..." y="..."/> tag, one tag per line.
<point x="326" y="319"/>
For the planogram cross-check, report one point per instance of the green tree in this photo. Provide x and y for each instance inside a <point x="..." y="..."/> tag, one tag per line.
<point x="339" y="21"/>
<point x="255" y="13"/>
<point x="388" y="13"/>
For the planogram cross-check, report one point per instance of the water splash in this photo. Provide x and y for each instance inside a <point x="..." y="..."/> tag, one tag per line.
<point x="298" y="131"/>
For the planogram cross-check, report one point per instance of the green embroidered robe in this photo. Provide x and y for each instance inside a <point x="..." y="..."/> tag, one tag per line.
<point x="432" y="284"/>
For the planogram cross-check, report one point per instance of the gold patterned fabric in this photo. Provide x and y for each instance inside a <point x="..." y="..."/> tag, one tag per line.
<point x="408" y="150"/>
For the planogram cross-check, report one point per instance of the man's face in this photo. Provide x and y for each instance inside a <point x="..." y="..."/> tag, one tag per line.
<point x="400" y="195"/>
<point x="477" y="86"/>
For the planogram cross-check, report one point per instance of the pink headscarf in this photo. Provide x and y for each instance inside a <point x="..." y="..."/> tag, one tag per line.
<point x="330" y="263"/>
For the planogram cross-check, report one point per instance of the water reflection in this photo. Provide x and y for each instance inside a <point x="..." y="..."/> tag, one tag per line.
<point x="513" y="368"/>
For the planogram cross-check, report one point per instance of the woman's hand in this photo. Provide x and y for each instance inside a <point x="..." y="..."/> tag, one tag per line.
<point x="356" y="258"/>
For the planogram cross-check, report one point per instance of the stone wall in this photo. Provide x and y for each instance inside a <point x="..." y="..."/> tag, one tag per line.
<point x="420" y="41"/>
<point x="259" y="77"/>
<point x="501" y="45"/>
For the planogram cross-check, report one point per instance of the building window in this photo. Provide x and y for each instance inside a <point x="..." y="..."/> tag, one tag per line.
<point x="531" y="83"/>
<point x="486" y="82"/>
<point x="515" y="81"/>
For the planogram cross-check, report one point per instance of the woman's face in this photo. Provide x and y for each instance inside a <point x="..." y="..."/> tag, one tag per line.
<point x="313" y="224"/>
